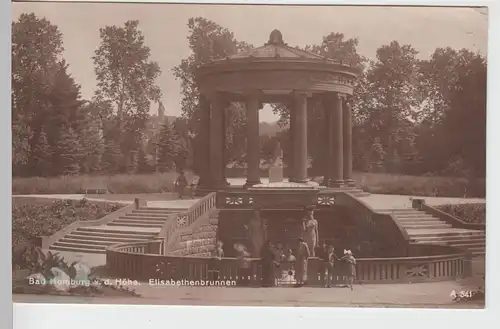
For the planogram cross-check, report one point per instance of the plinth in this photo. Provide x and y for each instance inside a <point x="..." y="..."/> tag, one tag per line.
<point x="284" y="195"/>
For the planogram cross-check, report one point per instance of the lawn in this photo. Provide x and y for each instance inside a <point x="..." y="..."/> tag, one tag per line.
<point x="163" y="183"/>
<point x="468" y="212"/>
<point x="421" y="185"/>
<point x="34" y="218"/>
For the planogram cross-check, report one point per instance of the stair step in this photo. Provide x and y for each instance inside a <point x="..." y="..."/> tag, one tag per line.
<point x="144" y="218"/>
<point x="425" y="226"/>
<point x="469" y="245"/>
<point x="400" y="211"/>
<point x="135" y="224"/>
<point x="419" y="221"/>
<point x="440" y="233"/>
<point x="85" y="241"/>
<point x="451" y="240"/>
<point x="150" y="214"/>
<point x="75" y="236"/>
<point x="78" y="245"/>
<point x="78" y="249"/>
<point x="413" y="216"/>
<point x="116" y="232"/>
<point x="163" y="210"/>
<point x="141" y="220"/>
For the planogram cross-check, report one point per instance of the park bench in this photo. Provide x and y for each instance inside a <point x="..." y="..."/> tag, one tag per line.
<point x="95" y="188"/>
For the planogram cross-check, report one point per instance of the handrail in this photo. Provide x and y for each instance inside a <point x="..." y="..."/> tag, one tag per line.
<point x="382" y="224"/>
<point x="186" y="218"/>
<point x="450" y="219"/>
<point x="129" y="247"/>
<point x="126" y="261"/>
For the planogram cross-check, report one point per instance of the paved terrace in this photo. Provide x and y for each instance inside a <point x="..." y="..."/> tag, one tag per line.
<point x="424" y="295"/>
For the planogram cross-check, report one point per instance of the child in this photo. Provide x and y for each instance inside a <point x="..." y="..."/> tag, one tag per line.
<point x="351" y="267"/>
<point x="217" y="254"/>
<point x="244" y="270"/>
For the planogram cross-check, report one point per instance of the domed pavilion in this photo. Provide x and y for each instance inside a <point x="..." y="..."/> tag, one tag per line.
<point x="278" y="73"/>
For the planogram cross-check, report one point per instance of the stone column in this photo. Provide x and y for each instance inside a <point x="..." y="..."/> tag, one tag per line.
<point x="223" y="145"/>
<point x="204" y="142"/>
<point x="327" y="140"/>
<point x="291" y="147"/>
<point x="347" y="140"/>
<point x="300" y="138"/>
<point x="252" y="105"/>
<point x="336" y="156"/>
<point x="216" y="152"/>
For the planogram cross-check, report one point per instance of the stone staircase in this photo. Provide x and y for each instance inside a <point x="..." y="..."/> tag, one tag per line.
<point x="141" y="224"/>
<point x="426" y="228"/>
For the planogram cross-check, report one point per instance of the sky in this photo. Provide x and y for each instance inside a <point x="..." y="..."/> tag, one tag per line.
<point x="165" y="29"/>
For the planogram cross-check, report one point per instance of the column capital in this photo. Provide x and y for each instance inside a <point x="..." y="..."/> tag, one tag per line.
<point x="335" y="95"/>
<point x="217" y="97"/>
<point x="256" y="96"/>
<point x="302" y="94"/>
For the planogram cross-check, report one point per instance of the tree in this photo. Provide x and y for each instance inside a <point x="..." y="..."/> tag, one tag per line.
<point x="112" y="157"/>
<point x="143" y="166"/>
<point x="465" y="121"/>
<point x="167" y="148"/>
<point x="36" y="49"/>
<point x="209" y="41"/>
<point x="68" y="149"/>
<point x="41" y="155"/>
<point x="393" y="99"/>
<point x="92" y="144"/>
<point x="126" y="82"/>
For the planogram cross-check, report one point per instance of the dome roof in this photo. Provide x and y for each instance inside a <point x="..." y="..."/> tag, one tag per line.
<point x="276" y="48"/>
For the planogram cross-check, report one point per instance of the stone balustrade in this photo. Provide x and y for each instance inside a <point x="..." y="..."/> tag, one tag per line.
<point x="443" y="263"/>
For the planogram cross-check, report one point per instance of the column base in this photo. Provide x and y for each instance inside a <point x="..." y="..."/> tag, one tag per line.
<point x="335" y="183"/>
<point x="250" y="183"/>
<point x="349" y="182"/>
<point x="221" y="185"/>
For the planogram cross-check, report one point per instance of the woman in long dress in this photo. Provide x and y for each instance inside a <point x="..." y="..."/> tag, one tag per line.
<point x="268" y="261"/>
<point x="310" y="229"/>
<point x="256" y="229"/>
<point x="303" y="254"/>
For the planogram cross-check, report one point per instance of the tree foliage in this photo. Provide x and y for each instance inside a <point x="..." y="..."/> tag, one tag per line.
<point x="126" y="85"/>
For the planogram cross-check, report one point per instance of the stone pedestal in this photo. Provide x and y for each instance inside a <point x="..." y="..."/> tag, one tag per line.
<point x="273" y="197"/>
<point x="275" y="174"/>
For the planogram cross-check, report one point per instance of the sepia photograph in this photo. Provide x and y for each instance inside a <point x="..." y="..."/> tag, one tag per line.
<point x="249" y="155"/>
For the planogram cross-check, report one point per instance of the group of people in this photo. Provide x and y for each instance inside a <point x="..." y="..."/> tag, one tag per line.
<point x="272" y="257"/>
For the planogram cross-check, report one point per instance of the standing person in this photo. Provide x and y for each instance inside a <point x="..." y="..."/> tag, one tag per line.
<point x="330" y="265"/>
<point x="181" y="183"/>
<point x="268" y="261"/>
<point x="310" y="229"/>
<point x="244" y="270"/>
<point x="217" y="255"/>
<point x="257" y="233"/>
<point x="303" y="255"/>
<point x="351" y="267"/>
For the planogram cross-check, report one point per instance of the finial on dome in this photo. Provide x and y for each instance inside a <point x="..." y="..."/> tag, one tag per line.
<point x="276" y="38"/>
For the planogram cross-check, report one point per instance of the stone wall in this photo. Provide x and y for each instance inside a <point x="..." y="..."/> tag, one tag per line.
<point x="198" y="242"/>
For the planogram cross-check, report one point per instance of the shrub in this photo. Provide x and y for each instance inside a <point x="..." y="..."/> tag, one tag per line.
<point x="163" y="182"/>
<point x="468" y="212"/>
<point x="124" y="184"/>
<point x="30" y="220"/>
<point x="421" y="185"/>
